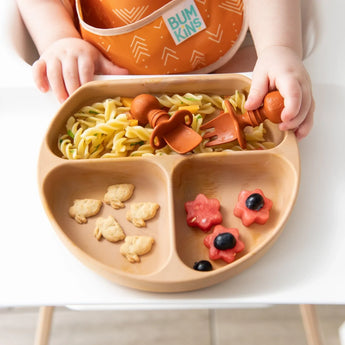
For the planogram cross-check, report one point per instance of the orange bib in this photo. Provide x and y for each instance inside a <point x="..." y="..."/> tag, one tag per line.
<point x="164" y="37"/>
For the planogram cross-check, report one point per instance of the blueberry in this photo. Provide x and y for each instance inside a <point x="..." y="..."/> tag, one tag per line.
<point x="202" y="265"/>
<point x="225" y="241"/>
<point x="255" y="202"/>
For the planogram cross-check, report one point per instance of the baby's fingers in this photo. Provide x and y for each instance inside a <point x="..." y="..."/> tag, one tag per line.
<point x="291" y="91"/>
<point x="305" y="127"/>
<point x="106" y="67"/>
<point x="55" y="77"/>
<point x="86" y="69"/>
<point x="258" y="89"/>
<point x="39" y="72"/>
<point x="297" y="104"/>
<point x="70" y="72"/>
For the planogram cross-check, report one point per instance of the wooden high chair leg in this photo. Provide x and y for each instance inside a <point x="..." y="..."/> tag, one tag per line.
<point x="310" y="323"/>
<point x="44" y="325"/>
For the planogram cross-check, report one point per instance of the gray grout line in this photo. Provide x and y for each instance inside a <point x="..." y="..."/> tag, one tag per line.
<point x="212" y="325"/>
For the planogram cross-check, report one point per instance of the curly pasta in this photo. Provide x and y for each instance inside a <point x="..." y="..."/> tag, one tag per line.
<point x="104" y="129"/>
<point x="237" y="101"/>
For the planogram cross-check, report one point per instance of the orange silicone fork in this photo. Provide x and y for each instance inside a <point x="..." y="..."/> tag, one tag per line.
<point x="228" y="126"/>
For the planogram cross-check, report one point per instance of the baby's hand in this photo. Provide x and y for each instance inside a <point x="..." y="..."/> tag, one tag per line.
<point x="280" y="68"/>
<point x="69" y="63"/>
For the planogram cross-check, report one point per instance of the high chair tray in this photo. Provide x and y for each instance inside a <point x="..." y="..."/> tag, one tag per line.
<point x="170" y="181"/>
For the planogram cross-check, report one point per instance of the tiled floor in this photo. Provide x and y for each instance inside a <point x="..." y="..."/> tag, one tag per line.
<point x="278" y="325"/>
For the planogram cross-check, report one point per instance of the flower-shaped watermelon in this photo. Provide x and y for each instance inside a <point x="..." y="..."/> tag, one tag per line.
<point x="223" y="243"/>
<point x="253" y="207"/>
<point x="203" y="212"/>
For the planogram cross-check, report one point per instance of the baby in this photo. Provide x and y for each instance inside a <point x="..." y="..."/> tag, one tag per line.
<point x="68" y="61"/>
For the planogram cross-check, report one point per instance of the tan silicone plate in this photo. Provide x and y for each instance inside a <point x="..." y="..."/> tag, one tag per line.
<point x="170" y="181"/>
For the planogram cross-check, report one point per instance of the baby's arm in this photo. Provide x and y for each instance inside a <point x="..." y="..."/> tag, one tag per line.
<point x="66" y="60"/>
<point x="276" y="30"/>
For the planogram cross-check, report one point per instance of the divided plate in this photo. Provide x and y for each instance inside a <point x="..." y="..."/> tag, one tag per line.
<point x="170" y="181"/>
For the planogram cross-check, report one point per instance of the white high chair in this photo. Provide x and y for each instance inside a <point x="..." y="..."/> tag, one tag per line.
<point x="308" y="313"/>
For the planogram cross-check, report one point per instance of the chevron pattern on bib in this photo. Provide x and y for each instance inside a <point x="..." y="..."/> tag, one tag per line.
<point x="131" y="16"/>
<point x="216" y="36"/>
<point x="235" y="6"/>
<point x="197" y="59"/>
<point x="167" y="52"/>
<point x="139" y="48"/>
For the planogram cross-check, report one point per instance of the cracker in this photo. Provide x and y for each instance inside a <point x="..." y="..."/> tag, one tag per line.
<point x="135" y="246"/>
<point x="109" y="228"/>
<point x="118" y="193"/>
<point x="140" y="211"/>
<point x="84" y="208"/>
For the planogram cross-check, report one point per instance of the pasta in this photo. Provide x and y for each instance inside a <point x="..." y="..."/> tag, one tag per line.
<point x="104" y="129"/>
